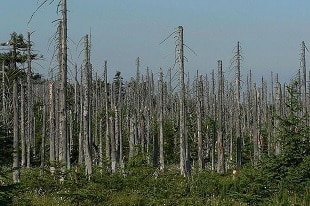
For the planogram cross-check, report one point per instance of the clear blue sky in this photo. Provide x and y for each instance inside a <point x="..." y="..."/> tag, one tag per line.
<point x="270" y="32"/>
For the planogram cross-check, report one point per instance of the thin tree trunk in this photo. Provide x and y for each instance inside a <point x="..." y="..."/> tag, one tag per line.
<point x="107" y="132"/>
<point x="30" y="132"/>
<point x="238" y="119"/>
<point x="52" y="126"/>
<point x="161" y="122"/>
<point x="183" y="145"/>
<point x="81" y="132"/>
<point x="220" y="139"/>
<point x="22" y="126"/>
<point x="16" y="169"/>
<point x="86" y="112"/>
<point x="199" y="103"/>
<point x="43" y="134"/>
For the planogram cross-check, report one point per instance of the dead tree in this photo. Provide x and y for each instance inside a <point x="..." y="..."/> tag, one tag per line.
<point x="16" y="169"/>
<point x="43" y="140"/>
<point x="86" y="112"/>
<point x="30" y="132"/>
<point x="183" y="146"/>
<point x="22" y="125"/>
<point x="52" y="130"/>
<point x="199" y="105"/>
<point x="161" y="122"/>
<point x="63" y="137"/>
<point x="107" y="135"/>
<point x="238" y="119"/>
<point x="304" y="78"/>
<point x="220" y="135"/>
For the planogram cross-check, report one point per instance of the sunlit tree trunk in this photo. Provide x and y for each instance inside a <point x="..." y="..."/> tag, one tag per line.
<point x="63" y="137"/>
<point x="220" y="136"/>
<point x="86" y="112"/>
<point x="52" y="125"/>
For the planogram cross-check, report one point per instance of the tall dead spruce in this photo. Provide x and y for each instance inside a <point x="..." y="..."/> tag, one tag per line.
<point x="86" y="111"/>
<point x="220" y="133"/>
<point x="63" y="137"/>
<point x="184" y="156"/>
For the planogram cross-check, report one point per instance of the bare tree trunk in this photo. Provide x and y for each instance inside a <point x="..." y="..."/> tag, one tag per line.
<point x="131" y="138"/>
<point x="16" y="169"/>
<point x="86" y="112"/>
<point x="255" y="129"/>
<point x="43" y="134"/>
<point x="183" y="145"/>
<point x="81" y="132"/>
<point x="63" y="137"/>
<point x="161" y="122"/>
<point x="22" y="126"/>
<point x="278" y="101"/>
<point x="304" y="78"/>
<point x="30" y="132"/>
<point x="107" y="132"/>
<point x="52" y="126"/>
<point x="238" y="119"/>
<point x="214" y="114"/>
<point x="199" y="103"/>
<point x="220" y="139"/>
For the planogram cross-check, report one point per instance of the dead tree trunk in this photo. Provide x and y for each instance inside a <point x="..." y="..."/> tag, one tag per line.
<point x="278" y="101"/>
<point x="16" y="169"/>
<point x="199" y="103"/>
<point x="238" y="119"/>
<point x="22" y="126"/>
<point x="107" y="130"/>
<point x="81" y="132"/>
<point x="52" y="125"/>
<point x="30" y="132"/>
<point x="182" y="123"/>
<point x="304" y="78"/>
<point x="43" y="134"/>
<point x="86" y="112"/>
<point x="220" y="139"/>
<point x="161" y="122"/>
<point x="214" y="114"/>
<point x="63" y="137"/>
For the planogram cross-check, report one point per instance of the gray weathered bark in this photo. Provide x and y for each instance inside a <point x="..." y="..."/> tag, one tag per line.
<point x="161" y="122"/>
<point x="30" y="132"/>
<point x="86" y="112"/>
<point x="63" y="137"/>
<point x="16" y="169"/>
<point x="52" y="125"/>
<point x="220" y="139"/>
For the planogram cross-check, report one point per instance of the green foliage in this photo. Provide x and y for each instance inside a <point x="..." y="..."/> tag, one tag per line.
<point x="171" y="154"/>
<point x="291" y="168"/>
<point x="143" y="185"/>
<point x="6" y="142"/>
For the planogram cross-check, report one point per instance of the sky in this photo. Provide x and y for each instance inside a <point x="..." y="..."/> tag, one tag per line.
<point x="270" y="34"/>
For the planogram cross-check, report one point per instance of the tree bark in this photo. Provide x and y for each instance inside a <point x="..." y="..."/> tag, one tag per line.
<point x="220" y="139"/>
<point x="63" y="137"/>
<point x="161" y="122"/>
<point x="16" y="169"/>
<point x="86" y="112"/>
<point x="52" y="125"/>
<point x="30" y="132"/>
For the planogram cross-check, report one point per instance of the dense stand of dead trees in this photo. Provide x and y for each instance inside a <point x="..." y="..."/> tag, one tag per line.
<point x="109" y="124"/>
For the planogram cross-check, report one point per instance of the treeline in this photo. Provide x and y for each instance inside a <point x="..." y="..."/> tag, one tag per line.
<point x="210" y="123"/>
